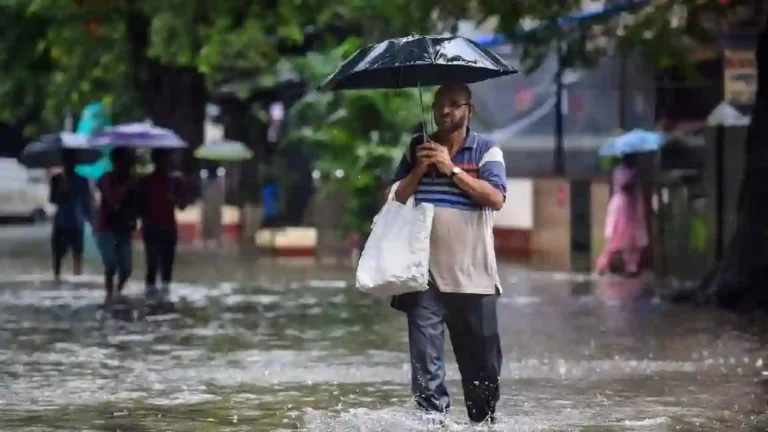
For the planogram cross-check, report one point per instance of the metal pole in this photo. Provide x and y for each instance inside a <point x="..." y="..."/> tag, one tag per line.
<point x="559" y="160"/>
<point x="424" y="127"/>
<point x="622" y="91"/>
<point x="661" y="215"/>
<point x="69" y="122"/>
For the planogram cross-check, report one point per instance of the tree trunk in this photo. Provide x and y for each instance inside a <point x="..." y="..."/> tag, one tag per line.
<point x="177" y="101"/>
<point x="174" y="97"/>
<point x="741" y="277"/>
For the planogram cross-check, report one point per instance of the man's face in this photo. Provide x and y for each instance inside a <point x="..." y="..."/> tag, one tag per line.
<point x="451" y="109"/>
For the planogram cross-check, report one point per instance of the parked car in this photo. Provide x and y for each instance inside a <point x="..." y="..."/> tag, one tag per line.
<point x="24" y="192"/>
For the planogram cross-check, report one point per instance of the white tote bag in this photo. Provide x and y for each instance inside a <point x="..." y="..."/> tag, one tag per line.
<point x="395" y="259"/>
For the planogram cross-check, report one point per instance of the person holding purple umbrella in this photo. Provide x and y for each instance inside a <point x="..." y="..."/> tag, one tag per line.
<point x="116" y="221"/>
<point x="161" y="193"/>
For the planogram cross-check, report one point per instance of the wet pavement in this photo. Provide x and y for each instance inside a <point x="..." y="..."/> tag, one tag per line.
<point x="276" y="346"/>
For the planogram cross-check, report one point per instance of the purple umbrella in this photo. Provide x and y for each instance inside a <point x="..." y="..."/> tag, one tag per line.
<point x="137" y="135"/>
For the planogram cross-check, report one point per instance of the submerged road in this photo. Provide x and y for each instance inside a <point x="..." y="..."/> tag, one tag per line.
<point x="267" y="346"/>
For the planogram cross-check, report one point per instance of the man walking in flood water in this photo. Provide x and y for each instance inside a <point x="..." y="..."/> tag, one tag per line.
<point x="116" y="222"/>
<point x="72" y="196"/>
<point x="160" y="194"/>
<point x="462" y="174"/>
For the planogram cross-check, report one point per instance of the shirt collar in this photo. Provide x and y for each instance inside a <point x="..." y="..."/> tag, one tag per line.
<point x="471" y="139"/>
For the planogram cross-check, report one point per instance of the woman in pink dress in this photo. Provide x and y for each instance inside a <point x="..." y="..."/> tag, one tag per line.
<point x="625" y="228"/>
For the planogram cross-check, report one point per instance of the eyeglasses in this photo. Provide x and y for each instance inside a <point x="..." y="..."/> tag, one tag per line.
<point x="453" y="105"/>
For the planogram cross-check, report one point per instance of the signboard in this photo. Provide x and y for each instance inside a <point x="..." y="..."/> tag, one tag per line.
<point x="739" y="76"/>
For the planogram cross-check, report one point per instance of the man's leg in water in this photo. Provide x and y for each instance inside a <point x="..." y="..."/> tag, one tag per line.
<point x="76" y="242"/>
<point x="124" y="260"/>
<point x="473" y="325"/>
<point x="109" y="285"/>
<point x="151" y="254"/>
<point x="77" y="263"/>
<point x="58" y="249"/>
<point x="426" y="324"/>
<point x="107" y="248"/>
<point x="167" y="257"/>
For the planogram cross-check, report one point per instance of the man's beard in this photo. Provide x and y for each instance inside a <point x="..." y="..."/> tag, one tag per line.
<point x="454" y="126"/>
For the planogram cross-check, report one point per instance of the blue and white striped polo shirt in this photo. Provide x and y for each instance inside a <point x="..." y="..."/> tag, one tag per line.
<point x="462" y="255"/>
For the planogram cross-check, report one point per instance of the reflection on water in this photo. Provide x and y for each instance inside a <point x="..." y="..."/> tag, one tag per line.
<point x="271" y="347"/>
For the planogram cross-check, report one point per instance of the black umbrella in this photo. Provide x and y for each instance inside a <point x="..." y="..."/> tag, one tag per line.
<point x="47" y="152"/>
<point x="417" y="61"/>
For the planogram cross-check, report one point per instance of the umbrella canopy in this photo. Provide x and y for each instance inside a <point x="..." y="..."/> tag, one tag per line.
<point x="224" y="151"/>
<point x="47" y="152"/>
<point x="95" y="117"/>
<point x="417" y="61"/>
<point x="725" y="114"/>
<point x="138" y="136"/>
<point x="635" y="141"/>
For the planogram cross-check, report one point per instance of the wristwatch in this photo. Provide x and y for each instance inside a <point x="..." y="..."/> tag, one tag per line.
<point x="454" y="171"/>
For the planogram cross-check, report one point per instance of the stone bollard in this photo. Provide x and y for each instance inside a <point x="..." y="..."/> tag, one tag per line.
<point x="213" y="200"/>
<point x="251" y="218"/>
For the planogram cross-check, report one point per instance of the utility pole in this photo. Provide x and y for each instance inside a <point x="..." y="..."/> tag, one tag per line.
<point x="622" y="58"/>
<point x="69" y="122"/>
<point x="559" y="159"/>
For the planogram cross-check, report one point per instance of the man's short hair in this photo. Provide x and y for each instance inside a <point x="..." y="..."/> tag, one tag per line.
<point x="461" y="88"/>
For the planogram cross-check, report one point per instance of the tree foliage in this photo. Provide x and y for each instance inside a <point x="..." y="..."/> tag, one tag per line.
<point x="62" y="54"/>
<point x="54" y="61"/>
<point x="59" y="55"/>
<point x="355" y="137"/>
<point x="666" y="31"/>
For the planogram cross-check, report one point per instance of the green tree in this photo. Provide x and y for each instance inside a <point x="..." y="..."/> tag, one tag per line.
<point x="665" y="31"/>
<point x="62" y="54"/>
<point x="741" y="277"/>
<point x="355" y="137"/>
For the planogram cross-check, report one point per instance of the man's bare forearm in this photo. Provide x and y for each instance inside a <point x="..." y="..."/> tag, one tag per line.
<point x="408" y="185"/>
<point x="479" y="191"/>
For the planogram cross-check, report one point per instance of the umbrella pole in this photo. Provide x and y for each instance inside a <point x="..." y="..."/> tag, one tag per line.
<point x="423" y="115"/>
<point x="424" y="123"/>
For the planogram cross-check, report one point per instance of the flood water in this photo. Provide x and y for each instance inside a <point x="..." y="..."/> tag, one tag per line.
<point x="271" y="346"/>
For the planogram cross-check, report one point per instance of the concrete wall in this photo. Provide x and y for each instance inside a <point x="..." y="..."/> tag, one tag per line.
<point x="551" y="237"/>
<point x="536" y="226"/>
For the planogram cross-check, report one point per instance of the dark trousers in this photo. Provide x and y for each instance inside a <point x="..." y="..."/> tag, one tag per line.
<point x="473" y="327"/>
<point x="64" y="239"/>
<point x="160" y="251"/>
